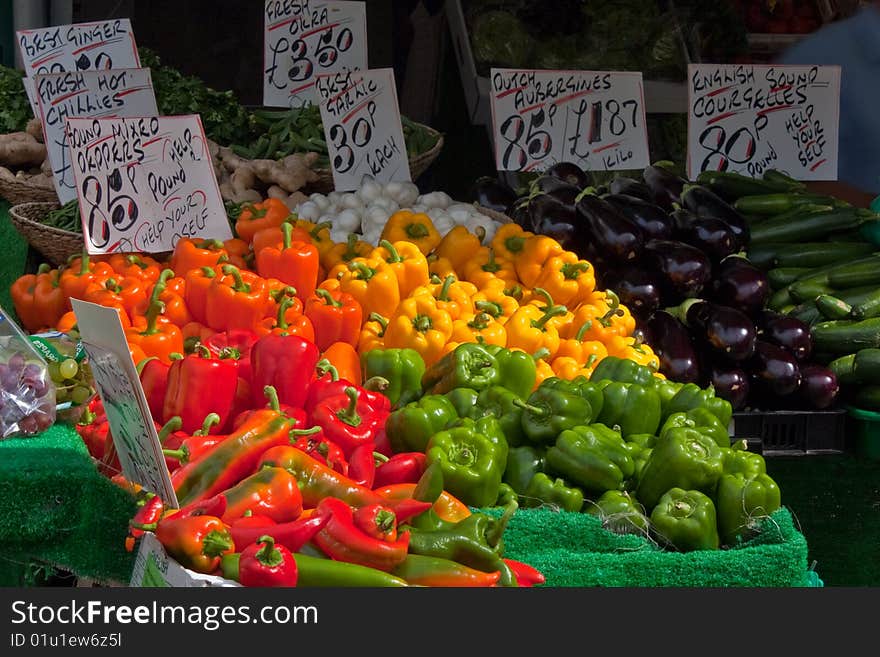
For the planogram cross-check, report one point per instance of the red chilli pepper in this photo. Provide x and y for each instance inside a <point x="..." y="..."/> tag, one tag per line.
<point x="525" y="574"/>
<point x="292" y="535"/>
<point x="194" y="447"/>
<point x="402" y="468"/>
<point x="315" y="444"/>
<point x="376" y="520"/>
<point x="146" y="518"/>
<point x="196" y="542"/>
<point x="342" y="540"/>
<point x="362" y="464"/>
<point x="264" y="563"/>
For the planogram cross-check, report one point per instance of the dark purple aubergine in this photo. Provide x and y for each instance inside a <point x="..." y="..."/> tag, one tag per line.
<point x="772" y="371"/>
<point x="671" y="341"/>
<point x="548" y="184"/>
<point x="703" y="202"/>
<point x="631" y="187"/>
<point x="707" y="234"/>
<point x="819" y="386"/>
<point x="519" y="212"/>
<point x="740" y="284"/>
<point x="789" y="333"/>
<point x="651" y="218"/>
<point x="492" y="193"/>
<point x="639" y="290"/>
<point x="555" y="219"/>
<point x="611" y="232"/>
<point x="726" y="331"/>
<point x="665" y="185"/>
<point x="684" y="270"/>
<point x="571" y="173"/>
<point x="730" y="383"/>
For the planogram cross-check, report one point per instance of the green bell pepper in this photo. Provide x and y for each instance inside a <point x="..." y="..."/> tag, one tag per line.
<point x="582" y="386"/>
<point x="693" y="396"/>
<point x="472" y="456"/>
<point x="703" y="420"/>
<point x="683" y="458"/>
<point x="743" y="501"/>
<point x="500" y="402"/>
<point x="622" y="370"/>
<point x="594" y="457"/>
<point x="475" y="541"/>
<point x="516" y="369"/>
<point x="522" y="464"/>
<point x="666" y="390"/>
<point x="686" y="520"/>
<point x="469" y="365"/>
<point x="506" y="495"/>
<point x="463" y="399"/>
<point x="409" y="428"/>
<point x="620" y="513"/>
<point x="634" y="408"/>
<point x="548" y="412"/>
<point x="403" y="368"/>
<point x="642" y="440"/>
<point x="640" y="459"/>
<point x="429" y="489"/>
<point x="738" y="460"/>
<point x="556" y="492"/>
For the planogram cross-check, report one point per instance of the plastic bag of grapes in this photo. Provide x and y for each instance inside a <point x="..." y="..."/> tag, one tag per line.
<point x="69" y="370"/>
<point x="27" y="392"/>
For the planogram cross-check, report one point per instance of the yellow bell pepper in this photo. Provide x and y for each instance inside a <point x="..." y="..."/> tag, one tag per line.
<point x="415" y="228"/>
<point x="419" y="324"/>
<point x="440" y="267"/>
<point x="372" y="282"/>
<point x="458" y="246"/>
<point x="484" y="266"/>
<point x="582" y="350"/>
<point x="481" y="328"/>
<point x="345" y="252"/>
<point x="568" y="368"/>
<point x="544" y="300"/>
<point x="406" y="261"/>
<point x="589" y="320"/>
<point x="622" y="321"/>
<point x="451" y="295"/>
<point x="568" y="278"/>
<point x="543" y="370"/>
<point x="509" y="241"/>
<point x="319" y="233"/>
<point x="536" y="251"/>
<point x="530" y="329"/>
<point x="497" y="299"/>
<point x="373" y="333"/>
<point x="634" y="349"/>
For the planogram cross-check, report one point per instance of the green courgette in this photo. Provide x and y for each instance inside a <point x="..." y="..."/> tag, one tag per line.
<point x="819" y="254"/>
<point x="866" y="366"/>
<point x="808" y="225"/>
<point x="868" y="306"/>
<point x="832" y="307"/>
<point x="784" y="182"/>
<point x="846" y="336"/>
<point x="731" y="186"/>
<point x="764" y="255"/>
<point x="779" y="277"/>
<point x="807" y="313"/>
<point x="868" y="398"/>
<point x="861" y="272"/>
<point x="776" y="204"/>
<point x="844" y="369"/>
<point x="780" y="299"/>
<point x="802" y="291"/>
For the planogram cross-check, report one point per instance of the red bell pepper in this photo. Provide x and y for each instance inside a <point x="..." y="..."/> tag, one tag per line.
<point x="402" y="468"/>
<point x="296" y="415"/>
<point x="154" y="380"/>
<point x="525" y="574"/>
<point x="196" y="542"/>
<point x="236" y="339"/>
<point x="315" y="444"/>
<point x="376" y="520"/>
<point x="146" y="518"/>
<point x="264" y="563"/>
<point x="292" y="535"/>
<point x="285" y="362"/>
<point x="362" y="464"/>
<point x="348" y="420"/>
<point x="342" y="540"/>
<point x="199" y="385"/>
<point x="270" y="492"/>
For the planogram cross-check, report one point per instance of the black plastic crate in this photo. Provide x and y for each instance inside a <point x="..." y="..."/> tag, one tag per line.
<point x="793" y="432"/>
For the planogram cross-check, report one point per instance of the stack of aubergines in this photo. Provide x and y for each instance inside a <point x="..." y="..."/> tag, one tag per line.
<point x="673" y="253"/>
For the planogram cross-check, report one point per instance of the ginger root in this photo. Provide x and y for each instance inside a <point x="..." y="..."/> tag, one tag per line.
<point x="34" y="128"/>
<point x="20" y="149"/>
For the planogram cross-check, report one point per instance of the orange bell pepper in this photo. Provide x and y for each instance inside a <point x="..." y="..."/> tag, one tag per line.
<point x="256" y="216"/>
<point x="295" y="263"/>
<point x="288" y="320"/>
<point x="106" y="296"/>
<point x="345" y="359"/>
<point x="172" y="291"/>
<point x="153" y="333"/>
<point x="238" y="251"/>
<point x="192" y="254"/>
<point x="194" y="332"/>
<point x="198" y="282"/>
<point x="236" y="300"/>
<point x="38" y="299"/>
<point x="337" y="317"/>
<point x="344" y="252"/>
<point x="372" y="334"/>
<point x="67" y="322"/>
<point x="371" y="282"/>
<point x="132" y="292"/>
<point x="82" y="272"/>
<point x="406" y="261"/>
<point x="135" y="266"/>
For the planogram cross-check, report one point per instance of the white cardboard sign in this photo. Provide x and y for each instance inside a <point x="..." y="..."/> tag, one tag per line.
<point x="118" y="384"/>
<point x="306" y="38"/>
<point x="144" y="182"/>
<point x="595" y="119"/>
<point x="362" y="126"/>
<point x="749" y="118"/>
<point x="113" y="93"/>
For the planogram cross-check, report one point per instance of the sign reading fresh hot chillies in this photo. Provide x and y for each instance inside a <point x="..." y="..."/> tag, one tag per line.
<point x="753" y="118"/>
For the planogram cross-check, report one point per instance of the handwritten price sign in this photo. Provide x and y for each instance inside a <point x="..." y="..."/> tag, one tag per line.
<point x="362" y="125"/>
<point x="114" y="93"/>
<point x="143" y="183"/>
<point x="591" y="118"/>
<point x="750" y="118"/>
<point x="307" y="38"/>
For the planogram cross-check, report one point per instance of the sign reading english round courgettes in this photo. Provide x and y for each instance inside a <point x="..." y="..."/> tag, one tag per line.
<point x="595" y="119"/>
<point x="303" y="39"/>
<point x="749" y="118"/>
<point x="144" y="182"/>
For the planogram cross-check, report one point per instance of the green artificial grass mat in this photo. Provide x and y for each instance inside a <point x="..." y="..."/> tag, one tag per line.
<point x="573" y="550"/>
<point x="56" y="508"/>
<point x="835" y="501"/>
<point x="13" y="254"/>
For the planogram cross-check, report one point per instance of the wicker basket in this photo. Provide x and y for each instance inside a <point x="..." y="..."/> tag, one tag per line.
<point x="500" y="217"/>
<point x="417" y="166"/>
<point x="17" y="190"/>
<point x="56" y="245"/>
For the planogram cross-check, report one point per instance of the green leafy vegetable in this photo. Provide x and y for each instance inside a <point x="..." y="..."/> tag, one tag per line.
<point x="15" y="111"/>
